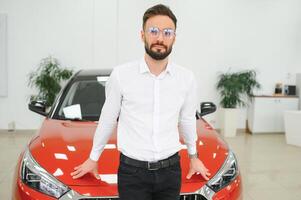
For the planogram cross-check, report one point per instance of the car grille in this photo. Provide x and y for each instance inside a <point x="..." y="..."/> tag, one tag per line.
<point x="183" y="197"/>
<point x="192" y="197"/>
<point x="101" y="199"/>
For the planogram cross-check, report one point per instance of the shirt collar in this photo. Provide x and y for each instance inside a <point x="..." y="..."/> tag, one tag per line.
<point x="144" y="68"/>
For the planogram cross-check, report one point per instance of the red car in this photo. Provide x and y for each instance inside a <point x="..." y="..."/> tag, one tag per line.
<point x="65" y="140"/>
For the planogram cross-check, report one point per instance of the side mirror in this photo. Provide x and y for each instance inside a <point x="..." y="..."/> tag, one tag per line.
<point x="207" y="108"/>
<point x="38" y="107"/>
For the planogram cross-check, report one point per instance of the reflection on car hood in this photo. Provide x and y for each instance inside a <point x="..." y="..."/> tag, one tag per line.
<point x="62" y="145"/>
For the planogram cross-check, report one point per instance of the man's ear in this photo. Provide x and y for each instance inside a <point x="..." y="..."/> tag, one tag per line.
<point x="174" y="40"/>
<point x="142" y="35"/>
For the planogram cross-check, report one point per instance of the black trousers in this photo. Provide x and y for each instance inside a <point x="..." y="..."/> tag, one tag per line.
<point x="136" y="183"/>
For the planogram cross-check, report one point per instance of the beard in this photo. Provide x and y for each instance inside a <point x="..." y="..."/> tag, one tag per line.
<point x="157" y="55"/>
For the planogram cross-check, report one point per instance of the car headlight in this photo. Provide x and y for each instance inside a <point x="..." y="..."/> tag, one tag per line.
<point x="33" y="175"/>
<point x="225" y="175"/>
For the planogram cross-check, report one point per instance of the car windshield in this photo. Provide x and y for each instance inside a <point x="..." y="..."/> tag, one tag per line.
<point x="83" y="101"/>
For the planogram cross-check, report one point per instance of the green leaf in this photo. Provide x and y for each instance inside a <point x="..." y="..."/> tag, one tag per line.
<point x="236" y="89"/>
<point x="47" y="79"/>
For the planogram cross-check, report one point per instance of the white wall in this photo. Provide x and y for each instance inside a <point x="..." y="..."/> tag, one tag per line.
<point x="212" y="36"/>
<point x="3" y="50"/>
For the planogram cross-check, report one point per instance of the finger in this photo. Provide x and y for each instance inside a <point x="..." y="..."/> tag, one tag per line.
<point x="96" y="175"/>
<point x="206" y="170"/>
<point x="77" y="167"/>
<point x="190" y="173"/>
<point x="79" y="175"/>
<point x="76" y="172"/>
<point x="205" y="176"/>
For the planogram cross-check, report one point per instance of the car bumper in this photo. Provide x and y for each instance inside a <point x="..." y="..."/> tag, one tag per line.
<point x="232" y="192"/>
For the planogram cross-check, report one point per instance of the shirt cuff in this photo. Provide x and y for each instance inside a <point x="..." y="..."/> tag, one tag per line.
<point x="191" y="149"/>
<point x="94" y="155"/>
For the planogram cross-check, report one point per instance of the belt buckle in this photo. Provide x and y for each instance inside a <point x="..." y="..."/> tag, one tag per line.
<point x="149" y="167"/>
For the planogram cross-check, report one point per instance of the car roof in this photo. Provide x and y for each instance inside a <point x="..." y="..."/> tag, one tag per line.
<point x="93" y="72"/>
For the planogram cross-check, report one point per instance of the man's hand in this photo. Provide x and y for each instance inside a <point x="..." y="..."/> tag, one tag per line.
<point x="89" y="166"/>
<point x="197" y="166"/>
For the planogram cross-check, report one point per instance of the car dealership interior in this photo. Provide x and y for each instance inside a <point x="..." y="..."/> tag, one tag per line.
<point x="57" y="56"/>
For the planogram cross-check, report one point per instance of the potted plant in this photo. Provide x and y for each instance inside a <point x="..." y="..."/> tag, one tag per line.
<point x="235" y="89"/>
<point x="47" y="80"/>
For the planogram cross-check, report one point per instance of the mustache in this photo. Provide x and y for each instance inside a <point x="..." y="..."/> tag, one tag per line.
<point x="152" y="45"/>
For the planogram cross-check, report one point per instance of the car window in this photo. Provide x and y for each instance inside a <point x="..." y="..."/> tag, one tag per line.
<point x="83" y="101"/>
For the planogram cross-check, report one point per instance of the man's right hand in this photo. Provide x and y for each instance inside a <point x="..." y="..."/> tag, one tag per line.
<point x="89" y="166"/>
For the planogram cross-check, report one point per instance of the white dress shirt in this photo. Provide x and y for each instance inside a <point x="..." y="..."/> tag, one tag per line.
<point x="150" y="108"/>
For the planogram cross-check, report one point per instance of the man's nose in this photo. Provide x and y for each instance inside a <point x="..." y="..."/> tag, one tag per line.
<point x="160" y="36"/>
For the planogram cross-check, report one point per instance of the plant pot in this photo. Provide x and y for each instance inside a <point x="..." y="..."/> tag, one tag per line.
<point x="228" y="122"/>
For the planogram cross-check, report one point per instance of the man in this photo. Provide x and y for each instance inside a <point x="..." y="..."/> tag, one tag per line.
<point x="151" y="97"/>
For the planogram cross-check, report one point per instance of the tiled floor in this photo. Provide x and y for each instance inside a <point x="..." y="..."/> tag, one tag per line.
<point x="271" y="169"/>
<point x="11" y="144"/>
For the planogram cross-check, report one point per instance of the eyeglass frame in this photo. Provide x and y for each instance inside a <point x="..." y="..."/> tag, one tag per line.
<point x="172" y="31"/>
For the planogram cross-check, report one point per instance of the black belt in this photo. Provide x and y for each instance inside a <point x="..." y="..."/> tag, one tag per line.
<point x="151" y="165"/>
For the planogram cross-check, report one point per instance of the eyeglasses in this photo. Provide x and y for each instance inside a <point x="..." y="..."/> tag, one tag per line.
<point x="167" y="33"/>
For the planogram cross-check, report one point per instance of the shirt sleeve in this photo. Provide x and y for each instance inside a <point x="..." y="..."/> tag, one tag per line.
<point x="108" y="117"/>
<point x="187" y="119"/>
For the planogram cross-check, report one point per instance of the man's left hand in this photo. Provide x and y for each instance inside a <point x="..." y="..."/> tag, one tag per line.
<point x="197" y="166"/>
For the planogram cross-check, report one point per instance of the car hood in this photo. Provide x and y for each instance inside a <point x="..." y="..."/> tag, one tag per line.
<point x="62" y="145"/>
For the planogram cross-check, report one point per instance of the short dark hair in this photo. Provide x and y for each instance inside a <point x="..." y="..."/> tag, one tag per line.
<point x="159" y="9"/>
